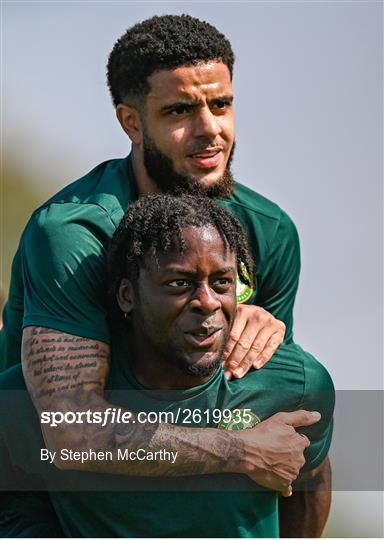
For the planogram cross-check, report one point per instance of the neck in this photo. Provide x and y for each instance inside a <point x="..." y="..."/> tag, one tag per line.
<point x="145" y="184"/>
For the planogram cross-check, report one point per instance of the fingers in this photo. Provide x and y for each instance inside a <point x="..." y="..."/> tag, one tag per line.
<point x="300" y="418"/>
<point x="243" y="353"/>
<point x="254" y="338"/>
<point x="256" y="354"/>
<point x="268" y="349"/>
<point x="307" y="442"/>
<point x="251" y="350"/>
<point x="287" y="492"/>
<point x="239" y="324"/>
<point x="227" y="372"/>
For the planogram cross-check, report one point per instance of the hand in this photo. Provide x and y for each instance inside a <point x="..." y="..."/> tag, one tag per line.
<point x="273" y="452"/>
<point x="254" y="338"/>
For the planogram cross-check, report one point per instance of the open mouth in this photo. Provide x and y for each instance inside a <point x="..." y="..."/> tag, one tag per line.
<point x="203" y="337"/>
<point x="206" y="159"/>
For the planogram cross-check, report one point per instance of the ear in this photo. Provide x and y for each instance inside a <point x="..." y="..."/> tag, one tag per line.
<point x="129" y="119"/>
<point x="125" y="296"/>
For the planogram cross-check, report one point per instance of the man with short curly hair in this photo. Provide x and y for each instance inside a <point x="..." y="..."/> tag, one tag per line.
<point x="159" y="43"/>
<point x="171" y="83"/>
<point x="164" y="44"/>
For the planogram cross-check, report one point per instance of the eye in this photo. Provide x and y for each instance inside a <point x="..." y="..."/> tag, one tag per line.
<point x="222" y="104"/>
<point x="180" y="109"/>
<point x="222" y="284"/>
<point x="179" y="284"/>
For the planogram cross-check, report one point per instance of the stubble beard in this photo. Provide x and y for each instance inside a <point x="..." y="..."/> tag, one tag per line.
<point x="169" y="353"/>
<point x="160" y="169"/>
<point x="202" y="371"/>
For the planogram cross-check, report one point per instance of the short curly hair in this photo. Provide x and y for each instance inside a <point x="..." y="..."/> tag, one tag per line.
<point x="154" y="223"/>
<point x="162" y="42"/>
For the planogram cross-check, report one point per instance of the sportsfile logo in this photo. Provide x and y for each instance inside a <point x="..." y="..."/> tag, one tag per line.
<point x="108" y="416"/>
<point x="237" y="418"/>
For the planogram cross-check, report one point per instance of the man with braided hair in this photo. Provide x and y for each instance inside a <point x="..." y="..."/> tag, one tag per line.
<point x="170" y="79"/>
<point x="172" y="270"/>
<point x="159" y="220"/>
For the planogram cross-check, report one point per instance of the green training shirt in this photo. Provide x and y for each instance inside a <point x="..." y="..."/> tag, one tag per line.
<point x="220" y="505"/>
<point x="58" y="271"/>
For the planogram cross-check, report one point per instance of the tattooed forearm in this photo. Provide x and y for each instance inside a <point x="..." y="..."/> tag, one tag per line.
<point x="197" y="451"/>
<point x="54" y="362"/>
<point x="68" y="373"/>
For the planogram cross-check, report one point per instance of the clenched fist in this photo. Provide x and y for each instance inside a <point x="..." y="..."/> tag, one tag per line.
<point x="272" y="453"/>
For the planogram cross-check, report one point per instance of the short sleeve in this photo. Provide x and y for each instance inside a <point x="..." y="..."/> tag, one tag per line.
<point x="319" y="395"/>
<point x="280" y="275"/>
<point x="63" y="268"/>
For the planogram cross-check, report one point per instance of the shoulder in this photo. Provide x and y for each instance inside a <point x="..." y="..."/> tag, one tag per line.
<point x="258" y="212"/>
<point x="315" y="374"/>
<point x="317" y="394"/>
<point x="318" y="390"/>
<point x="104" y="185"/>
<point x="244" y="199"/>
<point x="309" y="374"/>
<point x="100" y="196"/>
<point x="291" y="380"/>
<point x="94" y="203"/>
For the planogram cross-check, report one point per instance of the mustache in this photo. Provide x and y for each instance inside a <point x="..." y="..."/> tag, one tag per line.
<point x="199" y="147"/>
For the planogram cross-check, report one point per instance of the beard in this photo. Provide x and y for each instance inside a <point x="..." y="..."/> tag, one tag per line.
<point x="160" y="169"/>
<point x="200" y="368"/>
<point x="208" y="369"/>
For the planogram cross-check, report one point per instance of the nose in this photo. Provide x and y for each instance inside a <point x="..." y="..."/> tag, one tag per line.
<point x="207" y="123"/>
<point x="204" y="300"/>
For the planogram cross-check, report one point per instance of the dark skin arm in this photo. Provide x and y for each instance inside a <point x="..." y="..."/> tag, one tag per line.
<point x="64" y="373"/>
<point x="305" y="513"/>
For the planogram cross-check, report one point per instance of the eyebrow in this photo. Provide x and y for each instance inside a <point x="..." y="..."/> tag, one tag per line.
<point x="176" y="104"/>
<point x="175" y="270"/>
<point x="225" y="97"/>
<point x="193" y="103"/>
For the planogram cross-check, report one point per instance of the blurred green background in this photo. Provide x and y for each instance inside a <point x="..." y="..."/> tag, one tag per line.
<point x="21" y="194"/>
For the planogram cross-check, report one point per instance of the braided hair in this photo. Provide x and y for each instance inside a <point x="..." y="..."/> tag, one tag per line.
<point x="154" y="223"/>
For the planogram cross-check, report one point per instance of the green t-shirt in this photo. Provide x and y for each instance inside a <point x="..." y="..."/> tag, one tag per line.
<point x="220" y="505"/>
<point x="58" y="271"/>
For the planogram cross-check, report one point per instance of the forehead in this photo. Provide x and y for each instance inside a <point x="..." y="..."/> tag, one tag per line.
<point x="190" y="82"/>
<point x="204" y="252"/>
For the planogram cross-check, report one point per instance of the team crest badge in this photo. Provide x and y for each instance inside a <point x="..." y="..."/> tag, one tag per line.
<point x="240" y="419"/>
<point x="243" y="291"/>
